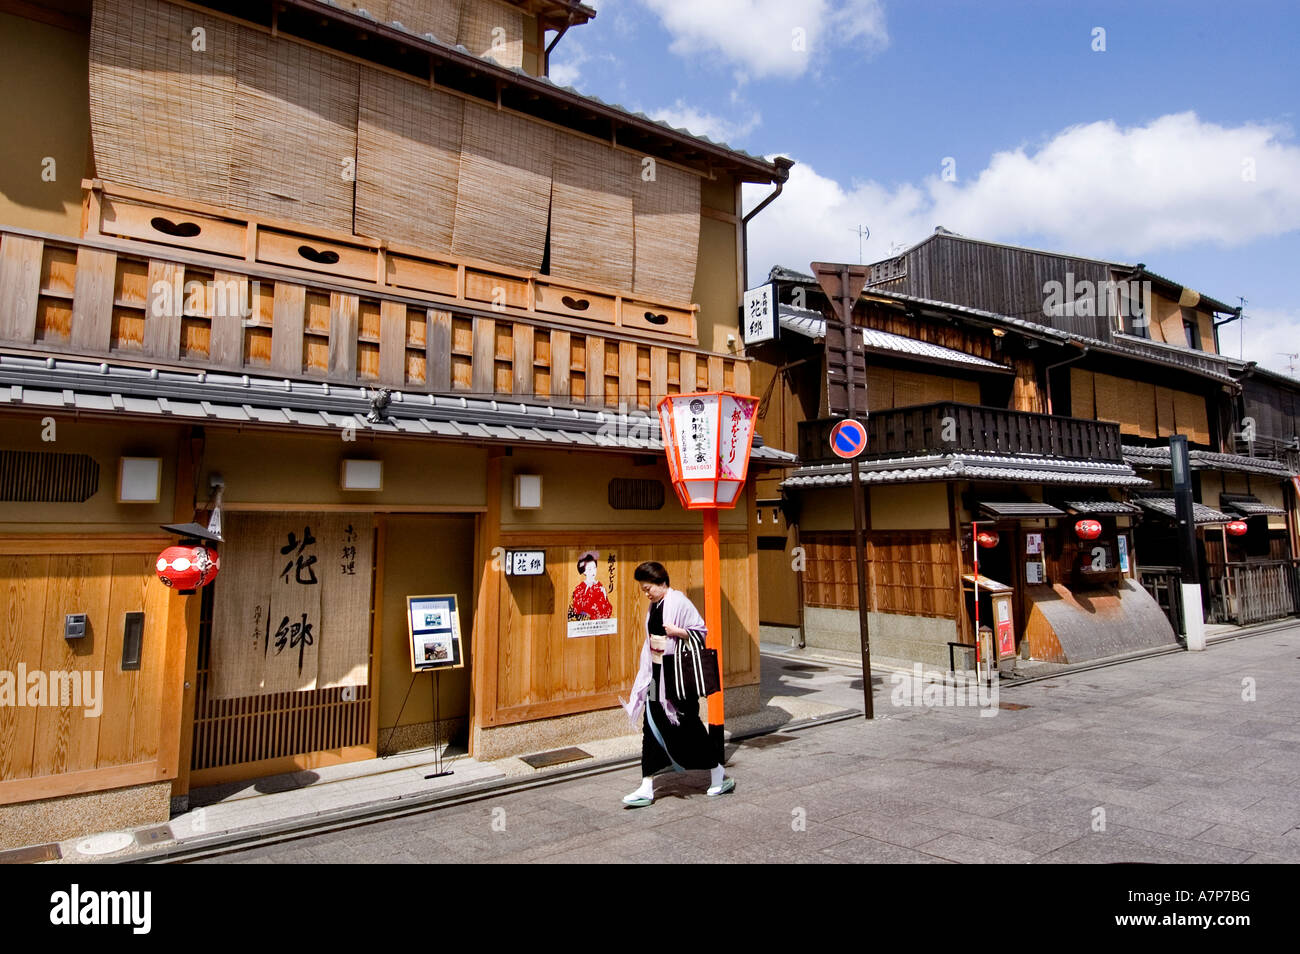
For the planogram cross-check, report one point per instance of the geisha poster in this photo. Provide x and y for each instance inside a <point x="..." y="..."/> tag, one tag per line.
<point x="591" y="610"/>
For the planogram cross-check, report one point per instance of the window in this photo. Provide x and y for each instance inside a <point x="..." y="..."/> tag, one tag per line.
<point x="1192" y="328"/>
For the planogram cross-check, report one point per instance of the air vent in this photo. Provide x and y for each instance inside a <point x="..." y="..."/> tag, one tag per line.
<point x="47" y="477"/>
<point x="626" y="493"/>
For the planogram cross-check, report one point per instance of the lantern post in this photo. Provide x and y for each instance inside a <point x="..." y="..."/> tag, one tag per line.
<point x="707" y="439"/>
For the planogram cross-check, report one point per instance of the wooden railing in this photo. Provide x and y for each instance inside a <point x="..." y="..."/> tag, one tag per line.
<point x="948" y="427"/>
<point x="1245" y="593"/>
<point x="143" y="303"/>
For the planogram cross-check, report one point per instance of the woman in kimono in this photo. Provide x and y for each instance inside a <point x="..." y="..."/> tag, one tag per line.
<point x="673" y="735"/>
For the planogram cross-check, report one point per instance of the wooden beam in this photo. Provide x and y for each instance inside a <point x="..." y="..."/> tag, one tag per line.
<point x="392" y="343"/>
<point x="438" y="349"/>
<point x="344" y="316"/>
<point x="92" y="301"/>
<point x="286" y="328"/>
<point x="20" y="284"/>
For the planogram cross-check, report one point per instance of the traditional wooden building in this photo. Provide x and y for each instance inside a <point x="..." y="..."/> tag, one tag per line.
<point x="1025" y="406"/>
<point x="407" y="305"/>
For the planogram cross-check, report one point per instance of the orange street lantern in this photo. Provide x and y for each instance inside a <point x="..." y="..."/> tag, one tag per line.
<point x="1236" y="528"/>
<point x="1088" y="529"/>
<point x="988" y="539"/>
<point x="707" y="437"/>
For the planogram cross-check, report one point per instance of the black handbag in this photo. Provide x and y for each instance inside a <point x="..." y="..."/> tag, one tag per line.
<point x="696" y="666"/>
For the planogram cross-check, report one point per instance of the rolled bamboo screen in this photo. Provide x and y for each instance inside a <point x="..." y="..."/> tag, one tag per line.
<point x="666" y="210"/>
<point x="408" y="161"/>
<point x="591" y="214"/>
<point x="439" y="17"/>
<point x="267" y="125"/>
<point x="492" y="29"/>
<point x="162" y="114"/>
<point x="296" y="132"/>
<point x="505" y="188"/>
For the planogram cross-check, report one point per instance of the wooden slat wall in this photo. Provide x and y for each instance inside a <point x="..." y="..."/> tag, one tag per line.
<point x="54" y="749"/>
<point x="540" y="671"/>
<point x="910" y="572"/>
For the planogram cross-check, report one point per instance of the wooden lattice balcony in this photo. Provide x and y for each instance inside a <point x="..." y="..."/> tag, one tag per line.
<point x="186" y="286"/>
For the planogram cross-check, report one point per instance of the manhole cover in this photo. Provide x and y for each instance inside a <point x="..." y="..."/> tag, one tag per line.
<point x="151" y="836"/>
<point x="556" y="757"/>
<point x="767" y="741"/>
<point x="803" y="667"/>
<point x="104" y="844"/>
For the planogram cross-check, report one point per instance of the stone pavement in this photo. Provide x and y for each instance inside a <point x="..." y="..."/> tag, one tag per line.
<point x="1190" y="757"/>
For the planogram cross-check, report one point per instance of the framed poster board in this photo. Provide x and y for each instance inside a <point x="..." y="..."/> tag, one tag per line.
<point x="433" y="623"/>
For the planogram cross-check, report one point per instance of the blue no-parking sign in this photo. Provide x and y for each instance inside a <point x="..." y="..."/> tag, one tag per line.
<point x="848" y="439"/>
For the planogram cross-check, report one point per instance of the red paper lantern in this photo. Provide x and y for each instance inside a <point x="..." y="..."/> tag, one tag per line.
<point x="188" y="566"/>
<point x="1087" y="529"/>
<point x="1236" y="529"/>
<point x="988" y="539"/>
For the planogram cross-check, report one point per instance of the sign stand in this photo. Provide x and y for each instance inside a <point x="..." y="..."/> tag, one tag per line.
<point x="438" y="770"/>
<point x="842" y="285"/>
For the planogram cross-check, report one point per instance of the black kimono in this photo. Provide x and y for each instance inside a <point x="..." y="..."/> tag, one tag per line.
<point x="664" y="745"/>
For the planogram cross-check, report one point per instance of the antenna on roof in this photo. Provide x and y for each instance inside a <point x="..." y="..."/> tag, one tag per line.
<point x="1291" y="363"/>
<point x="1241" y="332"/>
<point x="863" y="233"/>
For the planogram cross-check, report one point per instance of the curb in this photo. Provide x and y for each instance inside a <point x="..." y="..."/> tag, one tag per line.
<point x="404" y="805"/>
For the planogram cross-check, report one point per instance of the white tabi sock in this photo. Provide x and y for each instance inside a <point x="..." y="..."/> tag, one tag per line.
<point x="715" y="776"/>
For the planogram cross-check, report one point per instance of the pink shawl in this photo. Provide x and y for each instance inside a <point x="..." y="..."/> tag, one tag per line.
<point x="679" y="612"/>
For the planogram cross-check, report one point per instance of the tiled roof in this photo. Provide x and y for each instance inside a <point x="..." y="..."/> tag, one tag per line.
<point x="1215" y="367"/>
<point x="1020" y="508"/>
<point x="1158" y="458"/>
<point x="1101" y="506"/>
<point x="1030" y="470"/>
<point x="811" y="323"/>
<point x="1248" y="505"/>
<point x="220" y="398"/>
<point x="1165" y="506"/>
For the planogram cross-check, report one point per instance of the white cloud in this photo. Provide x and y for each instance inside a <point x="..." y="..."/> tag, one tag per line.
<point x="1268" y="336"/>
<point x="1095" y="189"/>
<point x="771" y="37"/>
<point x="687" y="117"/>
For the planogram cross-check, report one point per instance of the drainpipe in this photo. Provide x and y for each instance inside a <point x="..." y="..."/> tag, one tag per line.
<point x="1048" y="373"/>
<point x="783" y="167"/>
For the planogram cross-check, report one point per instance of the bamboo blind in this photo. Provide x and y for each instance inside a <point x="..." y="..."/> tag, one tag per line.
<point x="237" y="731"/>
<point x="478" y="21"/>
<point x="162" y="114"/>
<point x="666" y="211"/>
<point x="408" y="161"/>
<point x="253" y="596"/>
<point x="504" y="195"/>
<point x="305" y="176"/>
<point x="591" y="214"/>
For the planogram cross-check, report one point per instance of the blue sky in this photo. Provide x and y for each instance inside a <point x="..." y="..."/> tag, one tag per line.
<point x="1175" y="145"/>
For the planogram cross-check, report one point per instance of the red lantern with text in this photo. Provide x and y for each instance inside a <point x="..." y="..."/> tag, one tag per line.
<point x="1236" y="529"/>
<point x="1087" y="529"/>
<point x="188" y="566"/>
<point x="988" y="539"/>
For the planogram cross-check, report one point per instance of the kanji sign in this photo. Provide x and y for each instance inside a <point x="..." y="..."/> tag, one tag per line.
<point x="759" y="314"/>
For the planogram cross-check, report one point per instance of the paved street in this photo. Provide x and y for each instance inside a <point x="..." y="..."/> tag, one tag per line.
<point x="1178" y="758"/>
